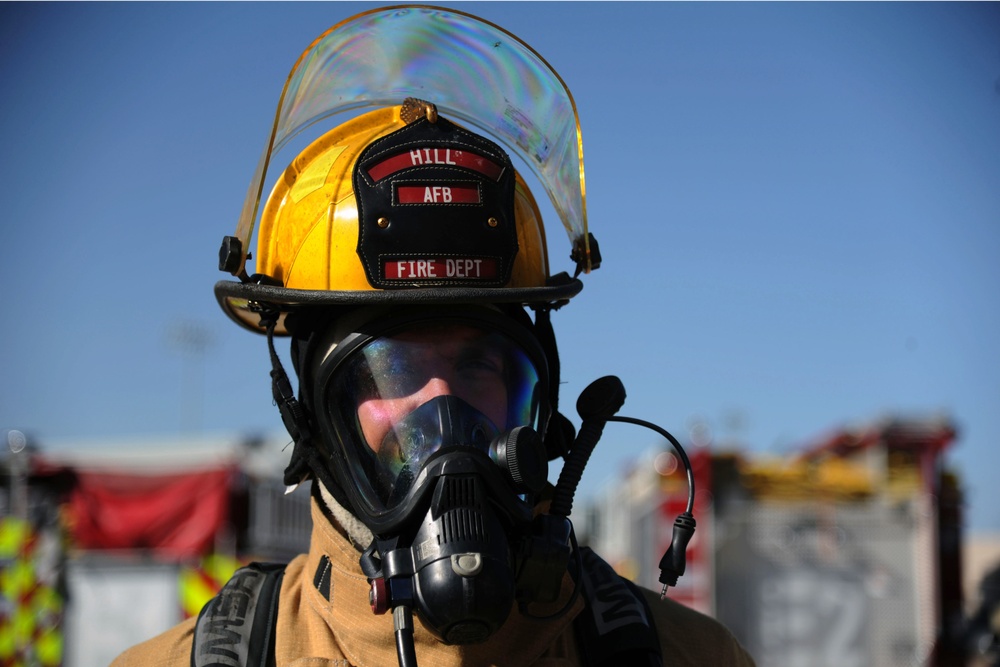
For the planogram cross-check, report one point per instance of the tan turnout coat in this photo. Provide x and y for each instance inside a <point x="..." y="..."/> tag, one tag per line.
<point x="342" y="631"/>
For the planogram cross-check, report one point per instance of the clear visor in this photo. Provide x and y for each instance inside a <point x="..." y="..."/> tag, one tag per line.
<point x="472" y="70"/>
<point x="401" y="398"/>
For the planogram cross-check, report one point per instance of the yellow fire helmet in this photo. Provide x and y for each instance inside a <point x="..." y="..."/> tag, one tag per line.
<point x="412" y="197"/>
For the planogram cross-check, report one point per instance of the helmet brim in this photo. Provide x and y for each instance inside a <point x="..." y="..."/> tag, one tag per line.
<point x="244" y="301"/>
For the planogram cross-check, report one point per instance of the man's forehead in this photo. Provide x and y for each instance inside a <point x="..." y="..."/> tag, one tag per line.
<point x="441" y="332"/>
<point x="471" y="322"/>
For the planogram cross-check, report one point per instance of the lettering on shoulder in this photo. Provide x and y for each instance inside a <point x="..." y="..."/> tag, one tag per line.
<point x="224" y="623"/>
<point x="613" y="604"/>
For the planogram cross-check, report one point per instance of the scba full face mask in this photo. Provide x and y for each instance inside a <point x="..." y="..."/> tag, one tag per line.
<point x="397" y="390"/>
<point x="430" y="423"/>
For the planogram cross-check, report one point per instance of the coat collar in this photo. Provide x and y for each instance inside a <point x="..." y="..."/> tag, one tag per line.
<point x="335" y="588"/>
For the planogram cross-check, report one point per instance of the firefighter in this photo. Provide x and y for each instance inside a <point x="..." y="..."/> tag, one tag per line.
<point x="404" y="256"/>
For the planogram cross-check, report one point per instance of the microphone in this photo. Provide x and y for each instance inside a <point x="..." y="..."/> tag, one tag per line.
<point x="597" y="404"/>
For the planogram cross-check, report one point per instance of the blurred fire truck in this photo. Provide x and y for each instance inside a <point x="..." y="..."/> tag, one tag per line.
<point x="846" y="554"/>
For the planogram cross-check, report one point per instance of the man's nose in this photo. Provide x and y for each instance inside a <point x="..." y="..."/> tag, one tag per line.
<point x="434" y="387"/>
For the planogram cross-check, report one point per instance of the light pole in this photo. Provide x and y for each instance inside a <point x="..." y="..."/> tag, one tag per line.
<point x="18" y="444"/>
<point x="192" y="339"/>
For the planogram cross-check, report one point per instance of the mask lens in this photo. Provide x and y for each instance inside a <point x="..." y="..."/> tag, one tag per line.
<point x="406" y="396"/>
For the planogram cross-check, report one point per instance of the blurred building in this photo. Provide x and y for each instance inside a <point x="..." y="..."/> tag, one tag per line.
<point x="846" y="554"/>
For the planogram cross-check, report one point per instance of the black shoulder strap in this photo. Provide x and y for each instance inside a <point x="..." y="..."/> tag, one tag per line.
<point x="616" y="627"/>
<point x="236" y="627"/>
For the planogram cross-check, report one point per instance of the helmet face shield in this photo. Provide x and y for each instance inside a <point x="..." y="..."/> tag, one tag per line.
<point x="376" y="59"/>
<point x="389" y="400"/>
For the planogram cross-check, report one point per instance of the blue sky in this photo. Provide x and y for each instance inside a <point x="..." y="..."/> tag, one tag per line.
<point x="798" y="207"/>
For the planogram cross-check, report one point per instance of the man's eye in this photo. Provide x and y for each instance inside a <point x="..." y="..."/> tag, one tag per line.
<point x="482" y="364"/>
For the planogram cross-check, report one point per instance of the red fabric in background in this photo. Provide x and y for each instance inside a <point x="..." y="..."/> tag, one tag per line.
<point x="176" y="515"/>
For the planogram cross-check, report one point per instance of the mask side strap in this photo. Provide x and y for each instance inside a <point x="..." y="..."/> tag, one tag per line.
<point x="293" y="415"/>
<point x="560" y="432"/>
